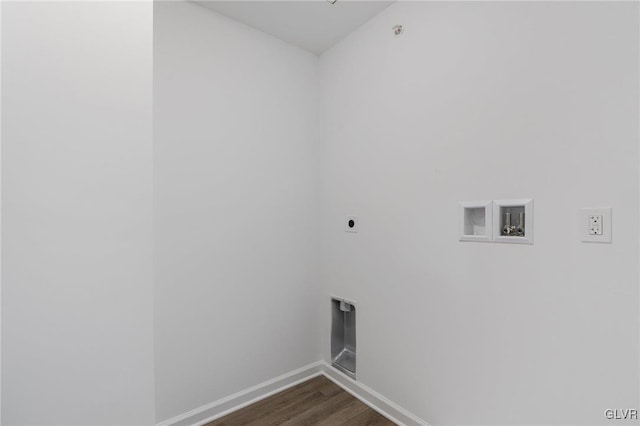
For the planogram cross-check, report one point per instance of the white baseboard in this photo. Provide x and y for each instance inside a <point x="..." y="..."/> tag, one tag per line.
<point x="373" y="399"/>
<point x="220" y="408"/>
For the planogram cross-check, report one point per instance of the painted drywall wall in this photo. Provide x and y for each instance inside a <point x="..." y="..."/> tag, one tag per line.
<point x="483" y="101"/>
<point x="77" y="213"/>
<point x="459" y="333"/>
<point x="236" y="203"/>
<point x="0" y="213"/>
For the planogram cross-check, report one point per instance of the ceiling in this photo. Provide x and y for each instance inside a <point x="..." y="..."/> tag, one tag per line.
<point x="314" y="25"/>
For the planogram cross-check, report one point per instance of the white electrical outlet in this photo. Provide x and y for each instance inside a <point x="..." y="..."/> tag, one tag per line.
<point x="595" y="225"/>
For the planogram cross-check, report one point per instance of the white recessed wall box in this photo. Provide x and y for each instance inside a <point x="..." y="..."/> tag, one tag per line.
<point x="513" y="221"/>
<point x="475" y="221"/>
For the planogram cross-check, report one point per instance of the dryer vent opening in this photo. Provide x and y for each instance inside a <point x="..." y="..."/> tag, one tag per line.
<point x="343" y="336"/>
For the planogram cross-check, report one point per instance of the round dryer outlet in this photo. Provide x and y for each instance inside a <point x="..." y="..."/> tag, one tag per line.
<point x="351" y="224"/>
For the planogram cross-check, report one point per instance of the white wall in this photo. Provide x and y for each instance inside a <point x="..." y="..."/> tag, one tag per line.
<point x="236" y="202"/>
<point x="0" y="213"/>
<point x="77" y="213"/>
<point x="485" y="101"/>
<point x="458" y="333"/>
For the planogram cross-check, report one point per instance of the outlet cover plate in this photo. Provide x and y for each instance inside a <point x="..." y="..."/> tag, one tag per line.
<point x="585" y="225"/>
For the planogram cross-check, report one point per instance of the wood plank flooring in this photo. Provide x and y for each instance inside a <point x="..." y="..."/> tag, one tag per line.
<point x="318" y="401"/>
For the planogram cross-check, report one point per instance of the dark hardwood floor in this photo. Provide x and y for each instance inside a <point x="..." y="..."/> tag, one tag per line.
<point x="315" y="402"/>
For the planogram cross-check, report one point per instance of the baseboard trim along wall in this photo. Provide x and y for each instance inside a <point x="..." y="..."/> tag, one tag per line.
<point x="373" y="399"/>
<point x="220" y="408"/>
